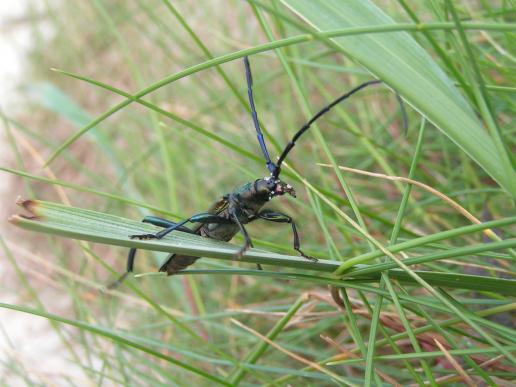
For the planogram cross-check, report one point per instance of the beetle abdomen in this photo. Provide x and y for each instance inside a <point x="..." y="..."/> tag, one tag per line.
<point x="176" y="263"/>
<point x="221" y="232"/>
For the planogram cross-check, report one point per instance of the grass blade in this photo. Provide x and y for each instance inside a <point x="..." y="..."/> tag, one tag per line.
<point x="103" y="228"/>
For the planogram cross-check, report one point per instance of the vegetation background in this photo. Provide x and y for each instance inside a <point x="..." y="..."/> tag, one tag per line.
<point x="194" y="141"/>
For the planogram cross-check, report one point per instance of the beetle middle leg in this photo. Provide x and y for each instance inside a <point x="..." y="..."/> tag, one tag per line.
<point x="248" y="243"/>
<point x="278" y="217"/>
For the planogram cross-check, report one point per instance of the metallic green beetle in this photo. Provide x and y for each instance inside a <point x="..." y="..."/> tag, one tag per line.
<point x="233" y="211"/>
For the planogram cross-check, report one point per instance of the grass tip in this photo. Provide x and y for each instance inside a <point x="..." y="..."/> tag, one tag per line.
<point x="30" y="205"/>
<point x="15" y="219"/>
<point x="19" y="201"/>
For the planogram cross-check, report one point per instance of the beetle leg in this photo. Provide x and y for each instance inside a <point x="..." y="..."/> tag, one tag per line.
<point x="204" y="217"/>
<point x="161" y="233"/>
<point x="252" y="218"/>
<point x="160" y="222"/>
<point x="130" y="266"/>
<point x="248" y="243"/>
<point x="278" y="217"/>
<point x="156" y="221"/>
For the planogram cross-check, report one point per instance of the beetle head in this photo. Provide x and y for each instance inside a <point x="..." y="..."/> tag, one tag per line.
<point x="272" y="187"/>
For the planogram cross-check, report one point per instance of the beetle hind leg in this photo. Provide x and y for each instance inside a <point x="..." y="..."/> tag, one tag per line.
<point x="160" y="222"/>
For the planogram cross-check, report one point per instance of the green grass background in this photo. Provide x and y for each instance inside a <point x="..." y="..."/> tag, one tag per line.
<point x="191" y="141"/>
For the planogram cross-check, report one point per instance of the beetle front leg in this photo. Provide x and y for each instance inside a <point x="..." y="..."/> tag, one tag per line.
<point x="278" y="217"/>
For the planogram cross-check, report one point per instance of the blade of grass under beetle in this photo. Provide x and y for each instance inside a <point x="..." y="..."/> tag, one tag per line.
<point x="398" y="60"/>
<point x="77" y="223"/>
<point x="104" y="228"/>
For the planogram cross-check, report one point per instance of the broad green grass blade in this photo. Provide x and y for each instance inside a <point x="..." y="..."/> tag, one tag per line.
<point x="400" y="62"/>
<point x="103" y="228"/>
<point x="109" y="229"/>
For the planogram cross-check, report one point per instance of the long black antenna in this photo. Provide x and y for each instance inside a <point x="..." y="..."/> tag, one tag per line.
<point x="270" y="165"/>
<point x="305" y="127"/>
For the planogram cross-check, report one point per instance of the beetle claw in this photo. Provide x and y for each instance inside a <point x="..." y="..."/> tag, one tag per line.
<point x="310" y="258"/>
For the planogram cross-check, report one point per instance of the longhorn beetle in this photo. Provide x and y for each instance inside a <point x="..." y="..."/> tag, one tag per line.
<point x="233" y="211"/>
